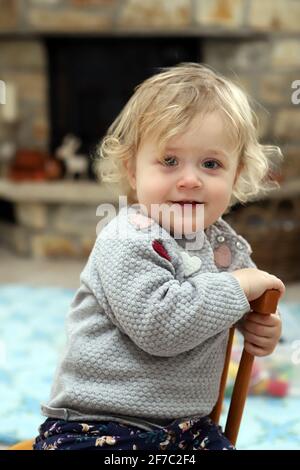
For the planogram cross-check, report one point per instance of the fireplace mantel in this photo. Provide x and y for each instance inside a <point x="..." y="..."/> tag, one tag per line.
<point x="89" y="193"/>
<point x="59" y="192"/>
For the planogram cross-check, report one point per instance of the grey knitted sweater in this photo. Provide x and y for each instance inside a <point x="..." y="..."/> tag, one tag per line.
<point x="148" y="327"/>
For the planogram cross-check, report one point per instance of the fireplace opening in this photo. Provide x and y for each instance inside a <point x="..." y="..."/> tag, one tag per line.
<point x="91" y="79"/>
<point x="7" y="211"/>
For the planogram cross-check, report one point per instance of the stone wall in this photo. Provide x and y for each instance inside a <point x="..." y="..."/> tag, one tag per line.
<point x="23" y="63"/>
<point x="53" y="219"/>
<point x="58" y="230"/>
<point x="256" y="42"/>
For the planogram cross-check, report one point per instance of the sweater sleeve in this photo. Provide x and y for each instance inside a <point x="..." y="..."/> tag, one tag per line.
<point x="161" y="315"/>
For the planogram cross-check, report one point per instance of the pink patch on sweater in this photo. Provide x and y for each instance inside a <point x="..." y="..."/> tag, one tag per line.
<point x="222" y="256"/>
<point x="160" y="249"/>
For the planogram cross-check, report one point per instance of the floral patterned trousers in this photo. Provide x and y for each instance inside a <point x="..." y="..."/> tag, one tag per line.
<point x="189" y="435"/>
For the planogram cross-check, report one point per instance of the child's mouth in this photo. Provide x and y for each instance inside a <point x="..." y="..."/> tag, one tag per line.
<point x="194" y="203"/>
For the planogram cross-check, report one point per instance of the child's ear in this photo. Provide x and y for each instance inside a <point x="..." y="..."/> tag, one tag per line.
<point x="130" y="170"/>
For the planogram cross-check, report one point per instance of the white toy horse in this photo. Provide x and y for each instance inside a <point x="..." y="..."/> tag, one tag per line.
<point x="75" y="163"/>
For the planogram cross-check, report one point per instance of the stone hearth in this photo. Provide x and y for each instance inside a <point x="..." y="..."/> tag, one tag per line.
<point x="56" y="219"/>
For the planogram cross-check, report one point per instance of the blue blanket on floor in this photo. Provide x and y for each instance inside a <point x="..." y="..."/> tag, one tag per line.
<point x="31" y="339"/>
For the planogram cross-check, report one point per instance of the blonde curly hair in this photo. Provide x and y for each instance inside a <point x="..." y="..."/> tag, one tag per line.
<point x="163" y="106"/>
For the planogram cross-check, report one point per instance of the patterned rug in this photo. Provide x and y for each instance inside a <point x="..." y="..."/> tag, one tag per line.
<point x="32" y="337"/>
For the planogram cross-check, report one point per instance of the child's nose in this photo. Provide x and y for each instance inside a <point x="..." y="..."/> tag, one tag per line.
<point x="189" y="181"/>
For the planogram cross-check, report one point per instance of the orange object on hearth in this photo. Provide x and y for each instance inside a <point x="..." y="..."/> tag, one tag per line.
<point x="34" y="165"/>
<point x="28" y="165"/>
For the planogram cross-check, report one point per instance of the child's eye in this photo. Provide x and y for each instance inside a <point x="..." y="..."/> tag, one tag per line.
<point x="211" y="164"/>
<point x="169" y="161"/>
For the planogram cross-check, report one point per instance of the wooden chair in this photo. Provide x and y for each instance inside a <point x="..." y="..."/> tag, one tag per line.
<point x="265" y="305"/>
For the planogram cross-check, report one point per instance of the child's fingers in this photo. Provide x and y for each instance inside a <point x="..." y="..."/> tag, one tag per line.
<point x="273" y="282"/>
<point x="270" y="329"/>
<point x="254" y="350"/>
<point x="269" y="320"/>
<point x="259" y="330"/>
<point x="258" y="341"/>
<point x="278" y="284"/>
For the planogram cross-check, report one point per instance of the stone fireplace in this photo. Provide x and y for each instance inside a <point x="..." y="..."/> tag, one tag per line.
<point x="55" y="52"/>
<point x="74" y="64"/>
<point x="89" y="82"/>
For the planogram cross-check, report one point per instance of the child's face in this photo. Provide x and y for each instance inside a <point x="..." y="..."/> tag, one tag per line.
<point x="198" y="165"/>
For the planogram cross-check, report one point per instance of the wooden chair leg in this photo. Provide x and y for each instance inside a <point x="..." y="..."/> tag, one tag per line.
<point x="266" y="304"/>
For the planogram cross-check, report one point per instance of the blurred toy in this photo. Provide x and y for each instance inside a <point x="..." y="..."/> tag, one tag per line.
<point x="76" y="164"/>
<point x="53" y="169"/>
<point x="270" y="375"/>
<point x="277" y="387"/>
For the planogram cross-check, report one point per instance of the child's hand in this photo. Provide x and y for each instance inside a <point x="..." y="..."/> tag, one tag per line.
<point x="261" y="332"/>
<point x="255" y="282"/>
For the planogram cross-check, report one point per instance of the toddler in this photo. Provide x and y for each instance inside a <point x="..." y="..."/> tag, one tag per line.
<point x="167" y="277"/>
